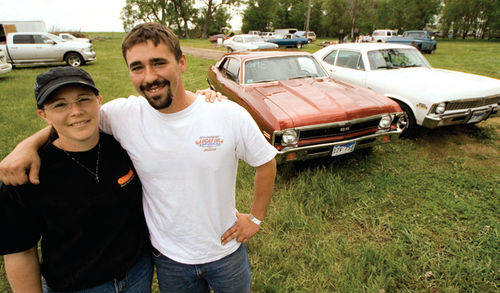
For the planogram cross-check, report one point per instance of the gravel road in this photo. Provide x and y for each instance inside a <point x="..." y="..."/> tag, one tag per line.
<point x="203" y="53"/>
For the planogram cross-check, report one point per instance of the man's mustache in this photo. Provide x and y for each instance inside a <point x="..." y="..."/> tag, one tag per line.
<point x="158" y="82"/>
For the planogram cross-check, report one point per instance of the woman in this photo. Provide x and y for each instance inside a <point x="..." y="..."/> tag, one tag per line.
<point x="87" y="210"/>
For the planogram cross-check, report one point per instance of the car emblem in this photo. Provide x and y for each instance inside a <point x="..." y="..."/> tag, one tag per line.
<point x="345" y="128"/>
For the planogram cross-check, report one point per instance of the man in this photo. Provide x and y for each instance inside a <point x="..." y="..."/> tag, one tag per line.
<point x="186" y="154"/>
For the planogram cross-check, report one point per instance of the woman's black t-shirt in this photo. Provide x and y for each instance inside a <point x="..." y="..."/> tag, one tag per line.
<point x="91" y="232"/>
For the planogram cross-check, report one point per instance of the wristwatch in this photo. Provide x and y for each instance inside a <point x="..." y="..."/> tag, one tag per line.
<point x="255" y="220"/>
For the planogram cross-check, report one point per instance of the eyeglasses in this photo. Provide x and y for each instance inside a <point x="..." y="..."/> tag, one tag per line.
<point x="63" y="105"/>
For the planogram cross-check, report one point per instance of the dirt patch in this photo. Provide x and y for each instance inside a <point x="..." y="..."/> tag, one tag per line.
<point x="203" y="53"/>
<point x="476" y="144"/>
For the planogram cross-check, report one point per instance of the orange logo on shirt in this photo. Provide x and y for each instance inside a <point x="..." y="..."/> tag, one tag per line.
<point x="209" y="143"/>
<point x="126" y="179"/>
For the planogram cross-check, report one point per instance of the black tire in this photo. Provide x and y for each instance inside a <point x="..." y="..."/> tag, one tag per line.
<point x="74" y="59"/>
<point x="299" y="45"/>
<point x="407" y="121"/>
<point x="229" y="49"/>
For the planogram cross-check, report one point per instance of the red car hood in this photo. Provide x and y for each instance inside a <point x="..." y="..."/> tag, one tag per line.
<point x="316" y="101"/>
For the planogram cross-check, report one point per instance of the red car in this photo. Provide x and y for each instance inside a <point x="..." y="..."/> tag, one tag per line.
<point x="299" y="109"/>
<point x="213" y="38"/>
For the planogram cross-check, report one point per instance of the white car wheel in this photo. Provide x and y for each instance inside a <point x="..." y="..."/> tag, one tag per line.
<point x="74" y="59"/>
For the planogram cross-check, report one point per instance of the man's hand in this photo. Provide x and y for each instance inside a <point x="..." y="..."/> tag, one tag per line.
<point x="242" y="230"/>
<point x="14" y="168"/>
<point x="211" y="96"/>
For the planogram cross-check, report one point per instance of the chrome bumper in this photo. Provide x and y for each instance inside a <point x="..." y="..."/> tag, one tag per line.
<point x="89" y="56"/>
<point x="325" y="149"/>
<point x="4" y="68"/>
<point x="465" y="116"/>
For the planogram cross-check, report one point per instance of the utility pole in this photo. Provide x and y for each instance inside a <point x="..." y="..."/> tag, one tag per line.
<point x="307" y="19"/>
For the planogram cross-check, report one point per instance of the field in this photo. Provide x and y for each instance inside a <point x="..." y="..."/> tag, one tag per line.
<point x="417" y="215"/>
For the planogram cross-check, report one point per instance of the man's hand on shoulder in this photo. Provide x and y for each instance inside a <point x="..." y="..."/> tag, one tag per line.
<point x="15" y="166"/>
<point x="211" y="95"/>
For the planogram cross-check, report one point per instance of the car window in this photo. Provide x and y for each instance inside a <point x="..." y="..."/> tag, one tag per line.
<point x="41" y="39"/>
<point x="238" y="39"/>
<point x="348" y="59"/>
<point x="396" y="58"/>
<point x="282" y="68"/>
<point x="23" y="39"/>
<point x="330" y="58"/>
<point x="232" y="69"/>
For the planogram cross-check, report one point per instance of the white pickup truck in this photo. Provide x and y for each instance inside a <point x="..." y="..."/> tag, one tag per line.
<point x="45" y="48"/>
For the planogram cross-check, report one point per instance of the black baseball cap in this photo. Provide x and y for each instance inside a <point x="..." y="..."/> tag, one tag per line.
<point x="46" y="83"/>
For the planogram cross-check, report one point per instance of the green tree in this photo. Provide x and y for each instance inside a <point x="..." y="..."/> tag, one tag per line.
<point x="211" y="7"/>
<point x="173" y="13"/>
<point x="464" y="17"/>
<point x="406" y="14"/>
<point x="219" y="23"/>
<point x="259" y="15"/>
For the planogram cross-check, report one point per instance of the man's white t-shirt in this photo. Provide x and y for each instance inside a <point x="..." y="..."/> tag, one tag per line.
<point x="187" y="162"/>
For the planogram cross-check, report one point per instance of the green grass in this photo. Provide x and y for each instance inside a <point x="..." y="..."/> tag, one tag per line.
<point x="417" y="215"/>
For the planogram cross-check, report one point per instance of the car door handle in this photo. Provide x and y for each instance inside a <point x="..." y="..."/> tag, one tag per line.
<point x="332" y="70"/>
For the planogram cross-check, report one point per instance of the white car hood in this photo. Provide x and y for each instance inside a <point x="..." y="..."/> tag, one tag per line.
<point x="431" y="85"/>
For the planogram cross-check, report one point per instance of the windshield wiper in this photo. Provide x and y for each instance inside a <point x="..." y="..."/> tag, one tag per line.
<point x="265" y="80"/>
<point x="300" y="76"/>
<point x="388" y="67"/>
<point x="412" y="65"/>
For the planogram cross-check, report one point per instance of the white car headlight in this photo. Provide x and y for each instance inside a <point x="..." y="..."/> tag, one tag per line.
<point x="289" y="137"/>
<point x="440" y="108"/>
<point x="385" y="121"/>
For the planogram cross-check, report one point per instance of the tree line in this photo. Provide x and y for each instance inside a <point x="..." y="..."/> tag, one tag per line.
<point x="328" y="18"/>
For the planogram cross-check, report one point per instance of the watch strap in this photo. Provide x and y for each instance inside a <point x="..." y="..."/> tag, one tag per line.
<point x="254" y="219"/>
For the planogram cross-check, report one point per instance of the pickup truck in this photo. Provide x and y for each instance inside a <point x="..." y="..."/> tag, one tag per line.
<point x="422" y="40"/>
<point x="45" y="48"/>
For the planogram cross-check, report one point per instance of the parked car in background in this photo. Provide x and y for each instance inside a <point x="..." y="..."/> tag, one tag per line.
<point x="45" y="48"/>
<point x="4" y="65"/>
<point x="288" y="40"/>
<point x="266" y="35"/>
<point x="213" y="38"/>
<point x="424" y="41"/>
<point x="285" y="31"/>
<point x="299" y="109"/>
<point x="70" y="37"/>
<point x="381" y="36"/>
<point x="311" y="36"/>
<point x="257" y="33"/>
<point x="247" y="42"/>
<point x="430" y="97"/>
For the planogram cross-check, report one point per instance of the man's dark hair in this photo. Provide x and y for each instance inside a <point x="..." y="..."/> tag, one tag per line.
<point x="154" y="32"/>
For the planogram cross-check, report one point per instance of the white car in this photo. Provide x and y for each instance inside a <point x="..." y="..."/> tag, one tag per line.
<point x="430" y="97"/>
<point x="70" y="37"/>
<point x="247" y="42"/>
<point x="381" y="36"/>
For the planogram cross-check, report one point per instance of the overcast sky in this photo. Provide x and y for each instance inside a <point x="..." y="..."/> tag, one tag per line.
<point x="72" y="15"/>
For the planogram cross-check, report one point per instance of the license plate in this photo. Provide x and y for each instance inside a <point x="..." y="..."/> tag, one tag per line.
<point x="343" y="149"/>
<point x="476" y="117"/>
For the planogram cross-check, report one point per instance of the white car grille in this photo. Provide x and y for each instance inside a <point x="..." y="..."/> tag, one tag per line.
<point x="472" y="104"/>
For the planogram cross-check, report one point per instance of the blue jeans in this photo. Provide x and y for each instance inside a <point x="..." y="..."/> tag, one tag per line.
<point x="137" y="280"/>
<point x="230" y="274"/>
